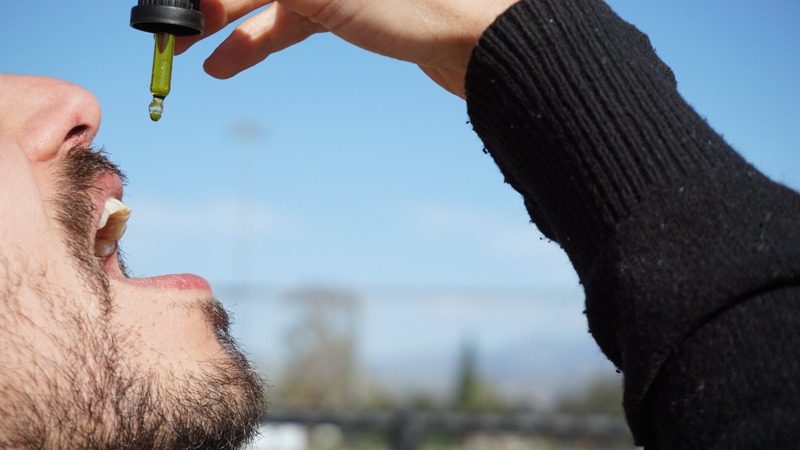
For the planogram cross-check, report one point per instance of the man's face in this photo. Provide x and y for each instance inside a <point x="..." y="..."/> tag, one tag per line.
<point x="91" y="358"/>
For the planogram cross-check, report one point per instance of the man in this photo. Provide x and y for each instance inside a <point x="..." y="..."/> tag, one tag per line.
<point x="689" y="257"/>
<point x="92" y="358"/>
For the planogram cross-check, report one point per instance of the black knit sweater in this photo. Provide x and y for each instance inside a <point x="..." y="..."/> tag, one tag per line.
<point x="689" y="257"/>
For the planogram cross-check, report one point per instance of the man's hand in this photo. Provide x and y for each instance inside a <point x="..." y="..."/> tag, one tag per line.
<point x="438" y="35"/>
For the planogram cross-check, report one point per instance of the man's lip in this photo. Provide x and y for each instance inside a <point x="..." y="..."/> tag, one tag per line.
<point x="180" y="282"/>
<point x="107" y="185"/>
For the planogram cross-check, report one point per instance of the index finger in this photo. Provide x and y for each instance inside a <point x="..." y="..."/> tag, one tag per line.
<point x="218" y="14"/>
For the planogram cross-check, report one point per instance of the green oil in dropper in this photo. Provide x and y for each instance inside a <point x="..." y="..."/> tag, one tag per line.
<point x="162" y="73"/>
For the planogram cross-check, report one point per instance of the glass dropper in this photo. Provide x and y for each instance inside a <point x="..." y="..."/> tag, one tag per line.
<point x="162" y="73"/>
<point x="165" y="19"/>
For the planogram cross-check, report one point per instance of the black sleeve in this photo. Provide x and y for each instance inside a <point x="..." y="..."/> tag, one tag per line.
<point x="683" y="248"/>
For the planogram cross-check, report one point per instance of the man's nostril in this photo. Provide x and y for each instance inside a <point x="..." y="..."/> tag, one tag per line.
<point x="76" y="133"/>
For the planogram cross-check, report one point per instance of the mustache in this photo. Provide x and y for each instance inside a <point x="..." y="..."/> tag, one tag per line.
<point x="82" y="165"/>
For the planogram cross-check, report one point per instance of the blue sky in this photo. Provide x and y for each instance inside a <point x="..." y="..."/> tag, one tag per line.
<point x="361" y="170"/>
<point x="329" y="165"/>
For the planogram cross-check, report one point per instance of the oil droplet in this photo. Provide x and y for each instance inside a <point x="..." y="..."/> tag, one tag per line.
<point x="156" y="108"/>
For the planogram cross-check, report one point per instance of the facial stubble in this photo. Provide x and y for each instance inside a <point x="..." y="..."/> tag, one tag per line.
<point x="95" y="397"/>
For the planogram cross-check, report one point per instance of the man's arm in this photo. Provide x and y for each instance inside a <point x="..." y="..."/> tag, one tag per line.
<point x="677" y="240"/>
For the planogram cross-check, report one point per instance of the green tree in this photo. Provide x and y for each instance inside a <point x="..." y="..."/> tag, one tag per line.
<point x="322" y="369"/>
<point x="472" y="392"/>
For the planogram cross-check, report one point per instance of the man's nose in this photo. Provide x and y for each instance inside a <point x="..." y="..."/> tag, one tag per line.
<point x="47" y="116"/>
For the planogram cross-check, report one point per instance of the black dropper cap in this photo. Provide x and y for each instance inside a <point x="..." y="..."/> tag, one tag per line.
<point x="176" y="17"/>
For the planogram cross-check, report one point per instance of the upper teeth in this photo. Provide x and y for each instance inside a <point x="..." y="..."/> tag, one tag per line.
<point x="111" y="227"/>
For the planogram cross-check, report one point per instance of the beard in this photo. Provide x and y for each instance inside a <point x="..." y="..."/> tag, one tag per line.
<point x="90" y="396"/>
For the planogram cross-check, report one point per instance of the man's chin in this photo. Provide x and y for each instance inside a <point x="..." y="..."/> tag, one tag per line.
<point x="216" y="404"/>
<point x="96" y="400"/>
<point x="222" y="406"/>
<point x="220" y="409"/>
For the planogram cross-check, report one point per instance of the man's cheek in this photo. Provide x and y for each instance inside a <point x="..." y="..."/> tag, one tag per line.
<point x="24" y="223"/>
<point x="31" y="245"/>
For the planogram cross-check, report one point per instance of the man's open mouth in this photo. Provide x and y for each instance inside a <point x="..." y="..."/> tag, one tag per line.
<point x="111" y="220"/>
